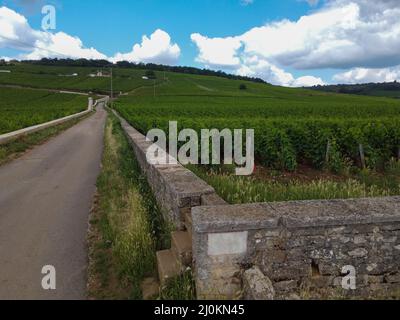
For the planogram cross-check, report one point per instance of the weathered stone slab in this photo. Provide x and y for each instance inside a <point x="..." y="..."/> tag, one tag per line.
<point x="227" y="243"/>
<point x="238" y="217"/>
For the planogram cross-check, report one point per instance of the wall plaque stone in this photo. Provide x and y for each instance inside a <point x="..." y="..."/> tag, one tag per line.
<point x="227" y="243"/>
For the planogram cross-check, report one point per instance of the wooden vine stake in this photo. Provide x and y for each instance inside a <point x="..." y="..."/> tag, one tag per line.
<point x="362" y="156"/>
<point x="328" y="151"/>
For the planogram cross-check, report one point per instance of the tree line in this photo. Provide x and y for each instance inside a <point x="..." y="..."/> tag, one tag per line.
<point x="363" y="89"/>
<point x="147" y="66"/>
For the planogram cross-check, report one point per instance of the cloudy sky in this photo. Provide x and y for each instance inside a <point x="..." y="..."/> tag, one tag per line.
<point x="285" y="42"/>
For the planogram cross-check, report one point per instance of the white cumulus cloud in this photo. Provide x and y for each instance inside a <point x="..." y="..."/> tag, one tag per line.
<point x="343" y="34"/>
<point x="364" y="75"/>
<point x="307" y="81"/>
<point x="217" y="52"/>
<point x="16" y="33"/>
<point x="157" y="48"/>
<point x="62" y="45"/>
<point x="225" y="54"/>
<point x="261" y="68"/>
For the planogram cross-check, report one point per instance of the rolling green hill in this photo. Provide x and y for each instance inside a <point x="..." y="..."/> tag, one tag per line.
<point x="72" y="78"/>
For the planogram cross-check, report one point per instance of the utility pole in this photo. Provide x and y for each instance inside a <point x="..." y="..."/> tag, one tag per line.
<point x="112" y="92"/>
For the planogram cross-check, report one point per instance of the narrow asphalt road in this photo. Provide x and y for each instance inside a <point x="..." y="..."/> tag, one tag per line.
<point x="45" y="199"/>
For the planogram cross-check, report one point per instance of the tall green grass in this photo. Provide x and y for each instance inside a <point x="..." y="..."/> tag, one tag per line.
<point x="130" y="222"/>
<point x="180" y="288"/>
<point x="236" y="190"/>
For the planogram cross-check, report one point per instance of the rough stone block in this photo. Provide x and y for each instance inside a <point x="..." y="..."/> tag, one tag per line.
<point x="393" y="278"/>
<point x="321" y="281"/>
<point x="286" y="286"/>
<point x="358" y="253"/>
<point x="182" y="247"/>
<point x="257" y="286"/>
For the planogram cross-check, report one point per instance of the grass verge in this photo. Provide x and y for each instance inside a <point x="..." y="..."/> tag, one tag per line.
<point x="14" y="149"/>
<point x="236" y="189"/>
<point x="126" y="226"/>
<point x="180" y="288"/>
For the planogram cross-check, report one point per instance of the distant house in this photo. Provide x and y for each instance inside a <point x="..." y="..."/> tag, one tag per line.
<point x="5" y="71"/>
<point x="145" y="78"/>
<point x="99" y="74"/>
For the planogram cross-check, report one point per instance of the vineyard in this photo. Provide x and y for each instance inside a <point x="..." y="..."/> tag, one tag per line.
<point x="292" y="126"/>
<point x="20" y="108"/>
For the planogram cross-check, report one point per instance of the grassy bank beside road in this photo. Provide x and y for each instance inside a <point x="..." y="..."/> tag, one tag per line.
<point x="126" y="225"/>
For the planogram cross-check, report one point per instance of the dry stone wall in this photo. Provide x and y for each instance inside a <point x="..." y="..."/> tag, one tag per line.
<point x="301" y="247"/>
<point x="176" y="188"/>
